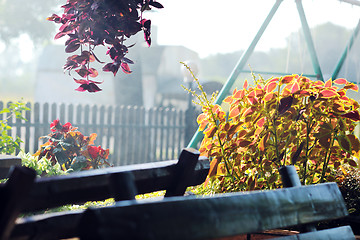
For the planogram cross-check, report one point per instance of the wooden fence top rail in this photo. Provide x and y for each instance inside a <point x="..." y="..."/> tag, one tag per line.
<point x="93" y="185"/>
<point x="216" y="216"/>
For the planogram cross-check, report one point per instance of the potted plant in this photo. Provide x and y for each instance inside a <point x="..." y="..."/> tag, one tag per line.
<point x="289" y="120"/>
<point x="92" y="23"/>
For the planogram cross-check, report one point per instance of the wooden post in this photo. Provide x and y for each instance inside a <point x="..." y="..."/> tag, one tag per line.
<point x="122" y="186"/>
<point x="184" y="169"/>
<point x="290" y="178"/>
<point x="13" y="195"/>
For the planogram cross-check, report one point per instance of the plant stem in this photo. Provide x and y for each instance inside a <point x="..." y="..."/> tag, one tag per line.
<point x="276" y="142"/>
<point x="327" y="159"/>
<point x="308" y="130"/>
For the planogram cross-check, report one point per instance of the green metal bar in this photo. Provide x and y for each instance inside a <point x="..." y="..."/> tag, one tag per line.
<point x="309" y="41"/>
<point x="238" y="68"/>
<point x="345" y="53"/>
<point x="276" y="73"/>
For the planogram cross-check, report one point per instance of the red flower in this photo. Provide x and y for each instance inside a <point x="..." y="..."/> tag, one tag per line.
<point x="98" y="151"/>
<point x="55" y="125"/>
<point x="66" y="127"/>
<point x="93" y="151"/>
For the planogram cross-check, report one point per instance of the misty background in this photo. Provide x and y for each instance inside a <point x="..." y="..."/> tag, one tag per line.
<point x="31" y="62"/>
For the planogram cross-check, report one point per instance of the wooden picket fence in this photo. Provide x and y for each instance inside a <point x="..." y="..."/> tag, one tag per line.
<point x="133" y="134"/>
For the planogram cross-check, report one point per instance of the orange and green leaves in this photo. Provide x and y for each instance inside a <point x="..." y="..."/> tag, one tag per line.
<point x="71" y="149"/>
<point x="293" y="119"/>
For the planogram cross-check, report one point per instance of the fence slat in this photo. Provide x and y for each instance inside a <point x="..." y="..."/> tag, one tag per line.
<point x="53" y="112"/>
<point x="117" y="137"/>
<point x="133" y="134"/>
<point x="27" y="128"/>
<point x="62" y="114"/>
<point x="109" y="130"/>
<point x="101" y="125"/>
<point x="37" y="128"/>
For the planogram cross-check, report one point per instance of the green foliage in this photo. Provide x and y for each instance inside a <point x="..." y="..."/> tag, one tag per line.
<point x="276" y="122"/>
<point x="43" y="166"/>
<point x="8" y="144"/>
<point x="69" y="148"/>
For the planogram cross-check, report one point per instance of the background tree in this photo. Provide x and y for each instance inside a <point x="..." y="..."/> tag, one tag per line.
<point x="19" y="17"/>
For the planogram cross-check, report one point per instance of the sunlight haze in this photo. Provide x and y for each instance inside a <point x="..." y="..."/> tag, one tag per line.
<point x="210" y="27"/>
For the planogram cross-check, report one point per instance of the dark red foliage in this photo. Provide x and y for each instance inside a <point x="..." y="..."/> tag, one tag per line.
<point x="90" y="87"/>
<point x="353" y="115"/>
<point x="285" y="104"/>
<point x="90" y="23"/>
<point x="56" y="126"/>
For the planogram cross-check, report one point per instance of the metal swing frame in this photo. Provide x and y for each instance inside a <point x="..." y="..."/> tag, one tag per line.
<point x="310" y="45"/>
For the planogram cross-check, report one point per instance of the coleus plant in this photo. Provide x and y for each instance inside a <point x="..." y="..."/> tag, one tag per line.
<point x="277" y="122"/>
<point x="91" y="23"/>
<point x="71" y="149"/>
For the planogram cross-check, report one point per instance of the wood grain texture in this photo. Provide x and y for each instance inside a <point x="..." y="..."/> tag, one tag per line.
<point x="218" y="216"/>
<point x="94" y="185"/>
<point x="60" y="225"/>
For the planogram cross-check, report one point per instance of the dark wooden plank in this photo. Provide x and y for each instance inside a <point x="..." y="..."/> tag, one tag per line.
<point x="61" y="225"/>
<point x="218" y="216"/>
<point x="339" y="233"/>
<point x="93" y="185"/>
<point x="6" y="161"/>
<point x="13" y="195"/>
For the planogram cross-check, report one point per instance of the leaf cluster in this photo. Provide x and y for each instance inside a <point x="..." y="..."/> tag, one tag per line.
<point x="277" y="122"/>
<point x="8" y="144"/>
<point x="43" y="166"/>
<point x="71" y="149"/>
<point x="108" y="23"/>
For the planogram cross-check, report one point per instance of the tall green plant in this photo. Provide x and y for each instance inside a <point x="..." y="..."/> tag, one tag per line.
<point x="8" y="144"/>
<point x="277" y="122"/>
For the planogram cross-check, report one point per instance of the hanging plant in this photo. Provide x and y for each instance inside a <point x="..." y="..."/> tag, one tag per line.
<point x="90" y="23"/>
